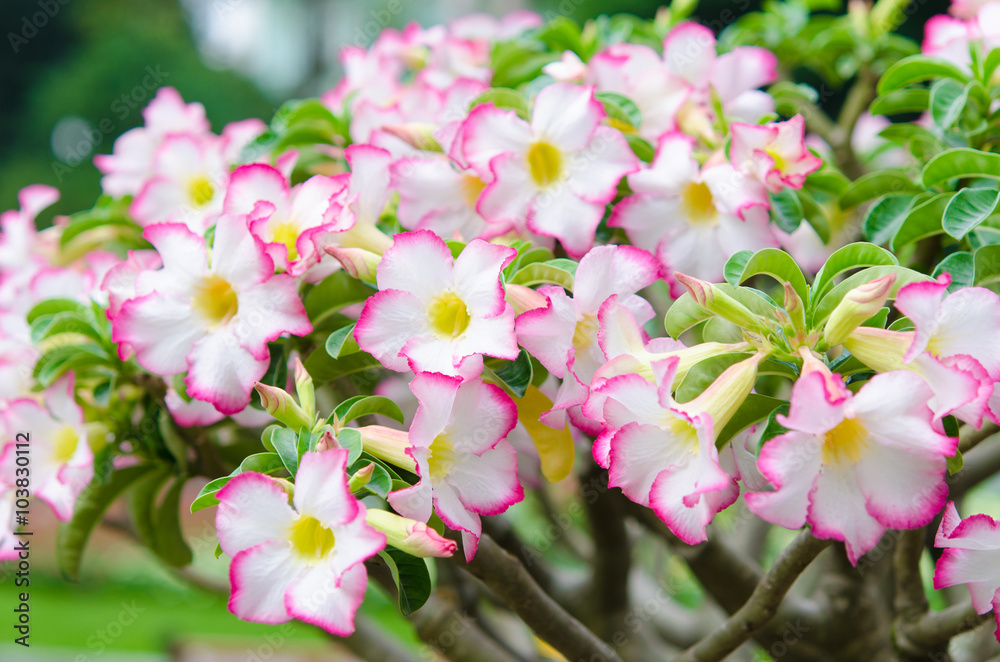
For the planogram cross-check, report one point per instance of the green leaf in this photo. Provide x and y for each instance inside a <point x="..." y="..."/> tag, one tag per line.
<point x="55" y="306"/>
<point x="641" y="147"/>
<point x="887" y="216"/>
<point x="503" y="97"/>
<point x="828" y="180"/>
<point x="875" y="185"/>
<point x="263" y="463"/>
<point x="948" y="99"/>
<point x="67" y="322"/>
<point x="702" y="374"/>
<point x="350" y="439"/>
<point x="620" y="108"/>
<point x="527" y="255"/>
<point x="61" y="359"/>
<point x="990" y="65"/>
<point x="987" y="263"/>
<point x="517" y="62"/>
<point x="544" y="273"/>
<point x="380" y="483"/>
<point x="172" y="440"/>
<point x="562" y="34"/>
<point x="924" y="220"/>
<point x="206" y="498"/>
<point x="969" y="208"/>
<point x="168" y="539"/>
<point x="286" y="445"/>
<point x="140" y="500"/>
<point x="341" y="342"/>
<point x="913" y="100"/>
<point x="773" y="428"/>
<point x="962" y="163"/>
<point x="955" y="463"/>
<point x="411" y="577"/>
<point x="771" y="261"/>
<point x="961" y="266"/>
<point x="516" y="374"/>
<point x="852" y="256"/>
<point x="786" y="210"/>
<point x="904" y="276"/>
<point x="372" y="404"/>
<point x="754" y="409"/>
<point x="325" y="368"/>
<point x="333" y="293"/>
<point x="918" y="68"/>
<point x="72" y="536"/>
<point x="815" y="215"/>
<point x="84" y="225"/>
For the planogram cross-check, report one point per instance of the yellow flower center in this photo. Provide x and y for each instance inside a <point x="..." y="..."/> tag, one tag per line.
<point x="448" y="315"/>
<point x="472" y="186"/>
<point x="200" y="191"/>
<point x="585" y="332"/>
<point x="215" y="300"/>
<point x="442" y="456"/>
<point x="684" y="434"/>
<point x="845" y="443"/>
<point x="779" y="161"/>
<point x="545" y="162"/>
<point x="64" y="444"/>
<point x="286" y="233"/>
<point x="311" y="541"/>
<point x="696" y="201"/>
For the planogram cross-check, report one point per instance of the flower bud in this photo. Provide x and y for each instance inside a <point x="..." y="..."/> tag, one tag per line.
<point x="409" y="535"/>
<point x="283" y="407"/>
<point x="857" y="306"/>
<point x="795" y="308"/>
<point x="416" y="134"/>
<point x="358" y="262"/>
<point x="727" y="393"/>
<point x="523" y="299"/>
<point x="304" y="389"/>
<point x="360" y="478"/>
<point x="714" y="300"/>
<point x="389" y="445"/>
<point x="327" y="441"/>
<point x="879" y="349"/>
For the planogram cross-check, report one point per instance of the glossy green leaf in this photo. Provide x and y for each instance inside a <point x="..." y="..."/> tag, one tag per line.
<point x="516" y="374"/>
<point x="168" y="539"/>
<point x="770" y="261"/>
<point x="61" y="359"/>
<point x="904" y="276"/>
<point x="754" y="409"/>
<point x="924" y="220"/>
<point x="641" y="147"/>
<point x="685" y="312"/>
<point x="55" y="306"/>
<point x="987" y="264"/>
<point x="786" y="210"/>
<point x="911" y="100"/>
<point x="852" y="256"/>
<point x="620" y="108"/>
<point x="370" y="405"/>
<point x="206" y="498"/>
<point x="917" y="68"/>
<point x="541" y="273"/>
<point x="336" y="291"/>
<point x="948" y="99"/>
<point x="969" y="208"/>
<point x="140" y="500"/>
<point x="350" y="439"/>
<point x="886" y="217"/>
<point x="702" y="374"/>
<point x="773" y="428"/>
<point x="877" y="184"/>
<point x="341" y="342"/>
<point x="962" y="163"/>
<point x="503" y="97"/>
<point x="409" y="573"/>
<point x="286" y="445"/>
<point x="962" y="268"/>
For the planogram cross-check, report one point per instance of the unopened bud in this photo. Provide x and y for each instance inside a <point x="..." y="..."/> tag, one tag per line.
<point x="857" y="306"/>
<point x="327" y="441"/>
<point x="360" y="478"/>
<point x="358" y="262"/>
<point x="389" y="445"/>
<point x="415" y="134"/>
<point x="282" y="406"/>
<point x="304" y="389"/>
<point x="522" y="298"/>
<point x="795" y="308"/>
<point x="409" y="535"/>
<point x="728" y="392"/>
<point x="714" y="300"/>
<point x="879" y="349"/>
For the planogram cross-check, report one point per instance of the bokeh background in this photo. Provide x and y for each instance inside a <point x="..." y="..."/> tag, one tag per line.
<point x="69" y="85"/>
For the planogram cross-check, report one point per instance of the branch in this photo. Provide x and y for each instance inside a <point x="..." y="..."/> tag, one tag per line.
<point x="763" y="603"/>
<point x="510" y="581"/>
<point x="969" y="437"/>
<point x="936" y="628"/>
<point x="370" y="643"/>
<point x="910" y="600"/>
<point x="980" y="463"/>
<point x="612" y="557"/>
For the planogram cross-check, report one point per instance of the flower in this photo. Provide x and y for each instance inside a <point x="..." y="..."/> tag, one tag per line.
<point x="971" y="556"/>
<point x="692" y="217"/>
<point x="466" y="466"/>
<point x="554" y="175"/>
<point x="851" y="465"/>
<point x="304" y="560"/>
<point x="62" y="462"/>
<point x="775" y="153"/>
<point x="432" y="312"/>
<point x="210" y="312"/>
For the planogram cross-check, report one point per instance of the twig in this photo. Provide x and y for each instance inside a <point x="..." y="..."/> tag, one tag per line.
<point x="369" y="642"/>
<point x="612" y="557"/>
<point x="980" y="463"/>
<point x="910" y="600"/>
<point x="763" y="603"/>
<point x="936" y="628"/>
<point x="969" y="437"/>
<point x="510" y="581"/>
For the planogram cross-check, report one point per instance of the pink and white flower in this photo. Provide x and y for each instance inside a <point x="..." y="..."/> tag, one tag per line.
<point x="466" y="466"/>
<point x="62" y="462"/>
<point x="971" y="556"/>
<point x="775" y="153"/>
<point x="554" y="175"/>
<point x="210" y="313"/>
<point x="304" y="560"/>
<point x="694" y="218"/>
<point x="563" y="335"/>
<point x="437" y="194"/>
<point x="853" y="466"/>
<point x="432" y="312"/>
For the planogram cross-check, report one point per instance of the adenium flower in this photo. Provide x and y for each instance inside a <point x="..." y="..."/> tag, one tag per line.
<point x="302" y="560"/>
<point x="971" y="556"/>
<point x="694" y="218"/>
<point x="775" y="153"/>
<point x="466" y="466"/>
<point x="853" y="466"/>
<point x="210" y="312"/>
<point x="662" y="453"/>
<point x="436" y="194"/>
<point x="563" y="335"/>
<point x="432" y="312"/>
<point x="62" y="462"/>
<point x="554" y="175"/>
